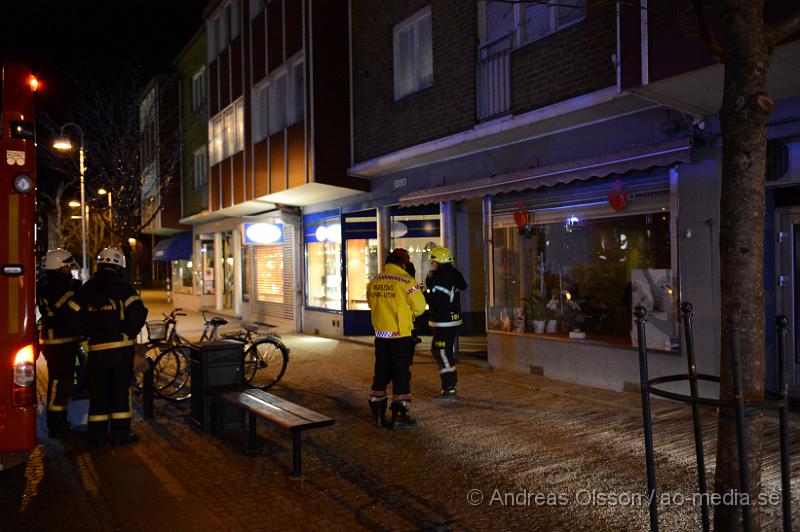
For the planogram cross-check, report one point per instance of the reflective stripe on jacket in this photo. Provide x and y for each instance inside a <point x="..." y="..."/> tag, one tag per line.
<point x="395" y="300"/>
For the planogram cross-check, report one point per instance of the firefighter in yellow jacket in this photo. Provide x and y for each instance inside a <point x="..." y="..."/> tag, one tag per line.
<point x="395" y="300"/>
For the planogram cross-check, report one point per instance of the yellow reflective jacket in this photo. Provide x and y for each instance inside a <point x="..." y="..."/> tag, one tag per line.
<point x="395" y="300"/>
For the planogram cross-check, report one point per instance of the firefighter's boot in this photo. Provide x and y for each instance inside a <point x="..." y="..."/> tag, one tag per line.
<point x="401" y="415"/>
<point x="379" y="413"/>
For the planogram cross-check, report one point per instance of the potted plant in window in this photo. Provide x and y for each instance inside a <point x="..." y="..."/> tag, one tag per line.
<point x="576" y="318"/>
<point x="540" y="312"/>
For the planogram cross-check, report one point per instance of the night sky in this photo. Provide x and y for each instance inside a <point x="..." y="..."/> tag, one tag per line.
<point x="98" y="38"/>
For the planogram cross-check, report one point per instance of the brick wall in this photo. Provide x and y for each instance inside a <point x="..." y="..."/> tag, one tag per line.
<point x="382" y="125"/>
<point x="568" y="63"/>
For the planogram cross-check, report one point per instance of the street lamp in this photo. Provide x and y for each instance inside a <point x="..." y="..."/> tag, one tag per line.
<point x="64" y="144"/>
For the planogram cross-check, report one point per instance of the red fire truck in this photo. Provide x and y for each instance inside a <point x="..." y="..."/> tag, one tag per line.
<point x="18" y="346"/>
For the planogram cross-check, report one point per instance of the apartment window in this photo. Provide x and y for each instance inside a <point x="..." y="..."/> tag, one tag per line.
<point x="261" y="111"/>
<point x="239" y="137"/>
<point x="528" y="22"/>
<point x="413" y="54"/>
<point x="226" y="27"/>
<point x="255" y="7"/>
<point x="226" y="132"/>
<point x="200" y="168"/>
<point x="277" y="102"/>
<point x="199" y="89"/>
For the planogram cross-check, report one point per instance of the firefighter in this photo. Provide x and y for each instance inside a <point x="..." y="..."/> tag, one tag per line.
<point x="60" y="337"/>
<point x="395" y="300"/>
<point x="444" y="283"/>
<point x="117" y="314"/>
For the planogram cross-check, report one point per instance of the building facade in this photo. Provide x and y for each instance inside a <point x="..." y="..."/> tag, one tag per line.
<point x="582" y="140"/>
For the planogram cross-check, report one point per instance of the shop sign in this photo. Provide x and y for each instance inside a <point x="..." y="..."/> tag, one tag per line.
<point x="262" y="233"/>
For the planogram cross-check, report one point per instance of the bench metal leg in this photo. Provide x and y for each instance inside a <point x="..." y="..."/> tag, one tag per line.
<point x="296" y="467"/>
<point x="251" y="425"/>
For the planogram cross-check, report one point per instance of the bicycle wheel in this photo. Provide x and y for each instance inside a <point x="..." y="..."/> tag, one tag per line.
<point x="151" y="351"/>
<point x="265" y="362"/>
<point x="171" y="374"/>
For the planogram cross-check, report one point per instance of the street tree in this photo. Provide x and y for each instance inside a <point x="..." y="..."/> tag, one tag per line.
<point x="743" y="42"/>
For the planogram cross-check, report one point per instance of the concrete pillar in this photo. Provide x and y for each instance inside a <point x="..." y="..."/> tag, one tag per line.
<point x="447" y="210"/>
<point x="197" y="268"/>
<point x="236" y="235"/>
<point x="384" y="234"/>
<point x="218" y="274"/>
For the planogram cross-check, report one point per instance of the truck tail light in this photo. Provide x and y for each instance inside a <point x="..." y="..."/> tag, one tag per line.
<point x="24" y="376"/>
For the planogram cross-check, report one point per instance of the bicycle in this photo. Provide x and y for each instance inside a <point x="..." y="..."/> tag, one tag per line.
<point x="265" y="356"/>
<point x="169" y="352"/>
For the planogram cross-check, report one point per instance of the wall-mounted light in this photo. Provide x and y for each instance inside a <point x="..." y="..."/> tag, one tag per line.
<point x="330" y="233"/>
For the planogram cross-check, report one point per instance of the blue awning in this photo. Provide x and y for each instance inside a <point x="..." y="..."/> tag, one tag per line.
<point x="179" y="247"/>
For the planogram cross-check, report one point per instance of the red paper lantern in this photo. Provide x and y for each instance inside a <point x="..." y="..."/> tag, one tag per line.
<point x="521" y="218"/>
<point x="618" y="198"/>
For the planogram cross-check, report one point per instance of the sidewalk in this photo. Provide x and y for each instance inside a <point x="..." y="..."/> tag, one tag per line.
<point x="517" y="452"/>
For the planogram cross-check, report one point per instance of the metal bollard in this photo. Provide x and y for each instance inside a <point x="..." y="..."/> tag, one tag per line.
<point x="640" y="313"/>
<point x="781" y="323"/>
<point x="147" y="389"/>
<point x="686" y="311"/>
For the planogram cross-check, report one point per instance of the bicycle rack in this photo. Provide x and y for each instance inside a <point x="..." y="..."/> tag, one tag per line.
<point x="147" y="390"/>
<point x="739" y="404"/>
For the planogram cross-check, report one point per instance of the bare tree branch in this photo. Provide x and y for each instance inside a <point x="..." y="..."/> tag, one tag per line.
<point x="705" y="31"/>
<point x="778" y="33"/>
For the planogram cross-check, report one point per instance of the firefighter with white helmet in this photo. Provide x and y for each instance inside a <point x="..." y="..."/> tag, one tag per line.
<point x="117" y="314"/>
<point x="61" y="334"/>
<point x="445" y="283"/>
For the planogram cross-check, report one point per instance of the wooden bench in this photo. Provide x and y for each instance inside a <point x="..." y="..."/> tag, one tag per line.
<point x="280" y="413"/>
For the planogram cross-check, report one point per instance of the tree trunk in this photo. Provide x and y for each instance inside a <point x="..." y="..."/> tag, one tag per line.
<point x="744" y="116"/>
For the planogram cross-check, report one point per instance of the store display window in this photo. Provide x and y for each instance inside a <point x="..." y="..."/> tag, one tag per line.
<point x="323" y="243"/>
<point x="578" y="271"/>
<point x="417" y="230"/>
<point x="361" y="237"/>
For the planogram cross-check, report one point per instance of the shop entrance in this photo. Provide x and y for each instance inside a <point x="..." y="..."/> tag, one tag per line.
<point x="787" y="286"/>
<point x="360" y="254"/>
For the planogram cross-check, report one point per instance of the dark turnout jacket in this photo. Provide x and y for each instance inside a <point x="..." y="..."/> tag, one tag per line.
<point x="112" y="308"/>
<point x="56" y="297"/>
<point x="444" y="300"/>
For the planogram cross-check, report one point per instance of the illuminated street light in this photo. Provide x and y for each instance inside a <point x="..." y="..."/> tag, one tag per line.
<point x="74" y="203"/>
<point x="63" y="143"/>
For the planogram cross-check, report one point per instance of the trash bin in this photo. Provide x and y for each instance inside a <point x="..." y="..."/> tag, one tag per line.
<point x="216" y="367"/>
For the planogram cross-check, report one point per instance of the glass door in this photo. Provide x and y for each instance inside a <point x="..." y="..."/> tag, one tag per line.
<point x="360" y="235"/>
<point x="788" y="284"/>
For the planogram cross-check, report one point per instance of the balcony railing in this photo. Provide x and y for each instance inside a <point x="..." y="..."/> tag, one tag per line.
<point x="493" y="75"/>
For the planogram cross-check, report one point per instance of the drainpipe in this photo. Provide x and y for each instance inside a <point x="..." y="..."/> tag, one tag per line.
<point x="487" y="256"/>
<point x="237" y="271"/>
<point x="218" y="277"/>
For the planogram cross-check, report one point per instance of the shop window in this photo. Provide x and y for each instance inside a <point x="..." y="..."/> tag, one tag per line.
<point x="417" y="230"/>
<point x="269" y="278"/>
<point x="206" y="267"/>
<point x="362" y="266"/>
<point x="182" y="276"/>
<point x="323" y="241"/>
<point x="583" y="273"/>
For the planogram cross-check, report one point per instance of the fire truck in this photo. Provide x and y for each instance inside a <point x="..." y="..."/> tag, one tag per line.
<point x="18" y="345"/>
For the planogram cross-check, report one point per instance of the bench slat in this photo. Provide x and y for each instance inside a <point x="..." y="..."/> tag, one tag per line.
<point x="275" y="413"/>
<point x="283" y="404"/>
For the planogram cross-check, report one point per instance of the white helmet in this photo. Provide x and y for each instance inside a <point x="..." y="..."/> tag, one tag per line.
<point x="58" y="258"/>
<point x="113" y="256"/>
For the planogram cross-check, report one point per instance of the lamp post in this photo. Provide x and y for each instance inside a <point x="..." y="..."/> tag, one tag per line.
<point x="63" y="143"/>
